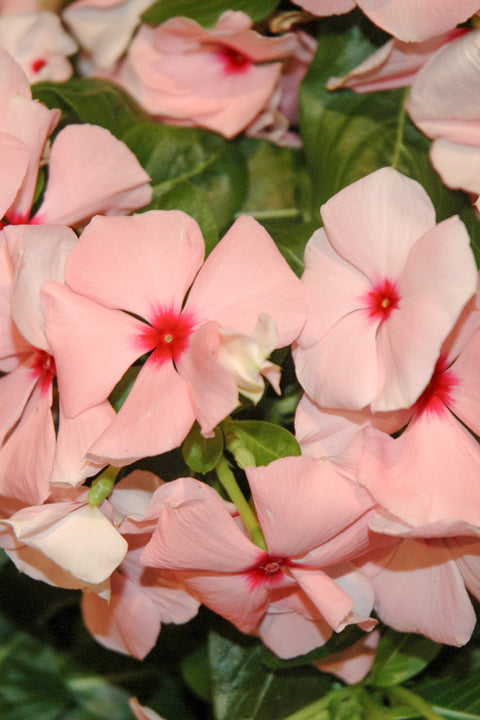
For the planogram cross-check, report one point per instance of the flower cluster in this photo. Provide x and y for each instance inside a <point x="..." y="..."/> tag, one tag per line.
<point x="122" y="338"/>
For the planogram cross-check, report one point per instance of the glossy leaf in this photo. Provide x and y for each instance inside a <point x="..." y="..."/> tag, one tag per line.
<point x="91" y="100"/>
<point x="207" y="12"/>
<point x="255" y="442"/>
<point x="202" y="454"/>
<point x="401" y="656"/>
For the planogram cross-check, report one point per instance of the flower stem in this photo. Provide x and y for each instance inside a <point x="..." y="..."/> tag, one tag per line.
<point x="415" y="701"/>
<point x="227" y="478"/>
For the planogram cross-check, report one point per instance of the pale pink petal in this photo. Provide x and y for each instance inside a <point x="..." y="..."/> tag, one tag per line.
<point x="333" y="288"/>
<point x="184" y="538"/>
<point x="211" y="387"/>
<point x="75" y="436"/>
<point x="293" y="493"/>
<point x="333" y="602"/>
<point x="374" y="222"/>
<point x="289" y="633"/>
<point x="42" y="253"/>
<point x="466" y="552"/>
<point x="128" y="623"/>
<point x="458" y="165"/>
<point x="141" y="712"/>
<point x="244" y="276"/>
<point x="13" y="80"/>
<point x="89" y="171"/>
<point x="464" y="399"/>
<point x="80" y="332"/>
<point x="417" y="20"/>
<point x="156" y="417"/>
<point x="445" y="99"/>
<point x="421" y="590"/>
<point x="26" y="457"/>
<point x="133" y="494"/>
<point x="353" y="664"/>
<point x="153" y="257"/>
<point x="15" y="389"/>
<point x="32" y="123"/>
<point x="325" y="370"/>
<point x="14" y="155"/>
<point x="327" y="7"/>
<point x="411" y="476"/>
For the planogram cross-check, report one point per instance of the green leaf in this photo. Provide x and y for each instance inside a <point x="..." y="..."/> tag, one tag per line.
<point x="454" y="697"/>
<point x="97" y="699"/>
<point x="185" y="196"/>
<point x="195" y="671"/>
<point x="202" y="454"/>
<point x="173" y="155"/>
<point x="348" y="135"/>
<point x="91" y="100"/>
<point x="244" y="689"/>
<point x="207" y="12"/>
<point x="400" y="656"/>
<point x="121" y="390"/>
<point x="257" y="442"/>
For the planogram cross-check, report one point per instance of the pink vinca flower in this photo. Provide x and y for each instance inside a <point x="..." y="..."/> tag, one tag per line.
<point x="98" y="326"/>
<point x="385" y="286"/>
<point x="141" y="599"/>
<point x="444" y="103"/>
<point x="299" y="590"/>
<point x="408" y="20"/>
<point x="219" y="79"/>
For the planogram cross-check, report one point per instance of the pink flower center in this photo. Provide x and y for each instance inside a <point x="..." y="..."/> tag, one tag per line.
<point x="38" y="64"/>
<point x="268" y="569"/>
<point x="233" y="61"/>
<point x="438" y="393"/>
<point x="382" y="300"/>
<point x="168" y="336"/>
<point x="43" y="368"/>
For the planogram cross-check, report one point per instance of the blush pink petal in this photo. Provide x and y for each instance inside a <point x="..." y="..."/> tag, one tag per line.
<point x="74" y="438"/>
<point x="143" y="713"/>
<point x="183" y="539"/>
<point x="233" y="286"/>
<point x="464" y="401"/>
<point x="374" y="222"/>
<point x="327" y="7"/>
<point x="143" y="427"/>
<point x="289" y="633"/>
<point x="153" y="257"/>
<point x="354" y="336"/>
<point x="26" y="457"/>
<point x="444" y="99"/>
<point x="411" y="476"/>
<point x="287" y="496"/>
<point x="80" y="332"/>
<point x="333" y="288"/>
<point x="333" y="603"/>
<point x="91" y="172"/>
<point x="421" y="590"/>
<point x="13" y="80"/>
<point x="42" y="253"/>
<point x="15" y="389"/>
<point x="458" y="165"/>
<point x="132" y="496"/>
<point x="417" y="20"/>
<point x="466" y="552"/>
<point x="14" y="155"/>
<point x="353" y="664"/>
<point x="212" y="389"/>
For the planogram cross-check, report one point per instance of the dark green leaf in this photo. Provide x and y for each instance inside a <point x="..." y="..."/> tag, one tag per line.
<point x="207" y="12"/>
<point x="173" y="155"/>
<point x="121" y="390"/>
<point x="91" y="100"/>
<point x="195" y="671"/>
<point x="202" y="454"/>
<point x="244" y="689"/>
<point x="255" y="442"/>
<point x="97" y="699"/>
<point x="400" y="656"/>
<point x="185" y="196"/>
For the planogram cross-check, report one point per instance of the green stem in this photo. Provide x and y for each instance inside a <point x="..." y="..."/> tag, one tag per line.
<point x="103" y="486"/>
<point x="415" y="701"/>
<point x="318" y="710"/>
<point x="227" y="478"/>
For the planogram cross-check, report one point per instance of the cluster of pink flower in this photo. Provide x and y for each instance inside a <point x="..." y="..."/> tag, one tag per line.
<point x="385" y="331"/>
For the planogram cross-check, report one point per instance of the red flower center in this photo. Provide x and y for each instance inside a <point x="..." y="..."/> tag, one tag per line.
<point x="38" y="64"/>
<point x="382" y="300"/>
<point x="168" y="336"/>
<point x="43" y="368"/>
<point x="233" y="61"/>
<point x="268" y="569"/>
<point x="438" y="394"/>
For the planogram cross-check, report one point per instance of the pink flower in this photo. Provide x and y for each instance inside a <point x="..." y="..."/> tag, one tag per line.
<point x="444" y="104"/>
<point x="408" y="20"/>
<point x="395" y="64"/>
<point x="98" y="328"/>
<point x="303" y="586"/>
<point x="385" y="286"/>
<point x="219" y="79"/>
<point x="142" y="712"/>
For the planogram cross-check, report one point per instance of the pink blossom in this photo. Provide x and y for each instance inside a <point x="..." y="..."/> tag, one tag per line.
<point x="219" y="79"/>
<point x="353" y="664"/>
<point x="384" y="288"/>
<point x="302" y="587"/>
<point x="395" y="64"/>
<point x="155" y="258"/>
<point x="408" y="20"/>
<point x="444" y="104"/>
